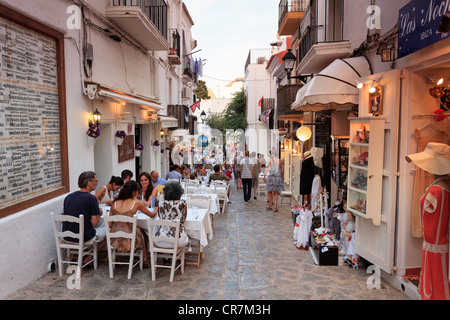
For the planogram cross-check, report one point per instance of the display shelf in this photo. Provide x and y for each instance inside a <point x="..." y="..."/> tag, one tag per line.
<point x="365" y="167"/>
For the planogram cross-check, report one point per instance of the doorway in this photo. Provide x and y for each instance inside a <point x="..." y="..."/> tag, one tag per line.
<point x="137" y="139"/>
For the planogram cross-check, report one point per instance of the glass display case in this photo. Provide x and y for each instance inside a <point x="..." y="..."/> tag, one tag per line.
<point x="364" y="184"/>
<point x="339" y="160"/>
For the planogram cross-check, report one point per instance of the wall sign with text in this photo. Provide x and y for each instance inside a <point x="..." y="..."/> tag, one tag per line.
<point x="418" y="25"/>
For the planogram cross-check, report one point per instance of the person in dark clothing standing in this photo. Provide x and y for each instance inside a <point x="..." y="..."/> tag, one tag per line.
<point x="247" y="175"/>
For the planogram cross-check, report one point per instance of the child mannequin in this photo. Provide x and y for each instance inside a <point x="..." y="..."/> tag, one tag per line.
<point x="351" y="259"/>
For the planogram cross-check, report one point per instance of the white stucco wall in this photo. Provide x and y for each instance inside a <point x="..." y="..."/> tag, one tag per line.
<point x="27" y="241"/>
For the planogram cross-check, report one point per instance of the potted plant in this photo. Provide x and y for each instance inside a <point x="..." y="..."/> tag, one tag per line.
<point x="93" y="133"/>
<point x="138" y="150"/>
<point x="120" y="135"/>
<point x="156" y="145"/>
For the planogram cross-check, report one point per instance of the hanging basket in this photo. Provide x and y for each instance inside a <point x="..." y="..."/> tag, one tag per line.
<point x="119" y="141"/>
<point x="91" y="141"/>
<point x="137" y="153"/>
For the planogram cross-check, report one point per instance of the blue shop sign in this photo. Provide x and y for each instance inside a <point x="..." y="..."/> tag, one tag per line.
<point x="418" y="23"/>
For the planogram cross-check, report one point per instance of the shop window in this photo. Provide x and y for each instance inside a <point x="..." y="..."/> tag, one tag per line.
<point x="33" y="139"/>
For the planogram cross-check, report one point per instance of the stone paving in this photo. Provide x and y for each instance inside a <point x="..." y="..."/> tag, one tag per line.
<point x="251" y="256"/>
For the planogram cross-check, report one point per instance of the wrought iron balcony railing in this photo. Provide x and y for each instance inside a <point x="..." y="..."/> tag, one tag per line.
<point x="155" y="10"/>
<point x="286" y="6"/>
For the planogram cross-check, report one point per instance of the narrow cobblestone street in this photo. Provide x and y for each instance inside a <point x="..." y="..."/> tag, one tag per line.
<point x="251" y="256"/>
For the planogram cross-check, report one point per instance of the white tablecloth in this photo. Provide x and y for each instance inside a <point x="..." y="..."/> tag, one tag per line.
<point x="198" y="226"/>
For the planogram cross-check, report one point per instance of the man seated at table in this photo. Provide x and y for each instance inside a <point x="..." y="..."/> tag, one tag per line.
<point x="217" y="175"/>
<point x="85" y="203"/>
<point x="175" y="173"/>
<point x="157" y="181"/>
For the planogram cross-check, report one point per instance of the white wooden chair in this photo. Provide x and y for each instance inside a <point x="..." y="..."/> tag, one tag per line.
<point x="174" y="253"/>
<point x="222" y="194"/>
<point x="191" y="189"/>
<point x="262" y="186"/>
<point x="198" y="200"/>
<point x="134" y="252"/>
<point x="285" y="194"/>
<point x="81" y="248"/>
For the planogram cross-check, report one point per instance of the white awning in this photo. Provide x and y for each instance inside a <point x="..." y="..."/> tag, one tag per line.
<point x="168" y="122"/>
<point x="131" y="99"/>
<point x="334" y="87"/>
<point x="180" y="133"/>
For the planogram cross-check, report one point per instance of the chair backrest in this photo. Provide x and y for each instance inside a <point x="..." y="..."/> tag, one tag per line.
<point x="191" y="189"/>
<point x="177" y="180"/>
<point x="121" y="234"/>
<point x="192" y="182"/>
<point x="153" y="224"/>
<point x="57" y="221"/>
<point x="221" y="190"/>
<point x="199" y="202"/>
<point x="219" y="182"/>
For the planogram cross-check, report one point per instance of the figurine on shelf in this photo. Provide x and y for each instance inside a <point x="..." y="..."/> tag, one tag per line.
<point x="360" y="181"/>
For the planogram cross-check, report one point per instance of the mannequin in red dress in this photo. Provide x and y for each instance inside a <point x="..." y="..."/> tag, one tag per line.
<point x="435" y="215"/>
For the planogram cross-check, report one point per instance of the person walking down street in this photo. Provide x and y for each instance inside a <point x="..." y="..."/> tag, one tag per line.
<point x="237" y="172"/>
<point x="256" y="168"/>
<point x="275" y="182"/>
<point x="247" y="174"/>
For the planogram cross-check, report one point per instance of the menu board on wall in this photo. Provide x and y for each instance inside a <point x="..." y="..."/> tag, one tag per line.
<point x="30" y="148"/>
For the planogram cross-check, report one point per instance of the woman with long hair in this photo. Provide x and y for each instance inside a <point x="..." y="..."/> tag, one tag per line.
<point x="105" y="193"/>
<point x="146" y="190"/>
<point x="127" y="204"/>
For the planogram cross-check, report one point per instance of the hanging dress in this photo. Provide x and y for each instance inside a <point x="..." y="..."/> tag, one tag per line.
<point x="435" y="212"/>
<point x="422" y="180"/>
<point x="315" y="194"/>
<point x="123" y="244"/>
<point x="304" y="220"/>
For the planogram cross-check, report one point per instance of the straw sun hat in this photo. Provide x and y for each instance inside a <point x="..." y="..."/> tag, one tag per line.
<point x="434" y="159"/>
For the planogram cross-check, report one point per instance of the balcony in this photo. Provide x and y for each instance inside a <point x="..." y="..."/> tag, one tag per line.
<point x="257" y="56"/>
<point x="286" y="95"/>
<point x="144" y="20"/>
<point x="267" y="112"/>
<point x="174" y="50"/>
<point x="290" y="13"/>
<point x="320" y="45"/>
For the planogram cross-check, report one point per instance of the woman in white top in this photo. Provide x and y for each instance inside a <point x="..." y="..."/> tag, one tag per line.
<point x="104" y="194"/>
<point x="146" y="190"/>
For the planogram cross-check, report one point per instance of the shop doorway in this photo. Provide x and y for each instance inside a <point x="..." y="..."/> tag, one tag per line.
<point x="137" y="139"/>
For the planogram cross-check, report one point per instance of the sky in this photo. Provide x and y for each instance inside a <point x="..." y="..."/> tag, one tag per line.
<point x="226" y="30"/>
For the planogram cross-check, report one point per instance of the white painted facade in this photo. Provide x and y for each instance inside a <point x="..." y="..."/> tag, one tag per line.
<point x="257" y="84"/>
<point x="27" y="241"/>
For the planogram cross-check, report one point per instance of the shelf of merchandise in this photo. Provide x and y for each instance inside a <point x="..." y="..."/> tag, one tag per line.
<point x="365" y="167"/>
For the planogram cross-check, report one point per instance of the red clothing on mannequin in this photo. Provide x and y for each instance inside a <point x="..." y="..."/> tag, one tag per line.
<point x="435" y="213"/>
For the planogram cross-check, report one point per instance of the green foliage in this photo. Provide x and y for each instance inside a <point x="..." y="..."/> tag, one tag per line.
<point x="233" y="117"/>
<point x="202" y="90"/>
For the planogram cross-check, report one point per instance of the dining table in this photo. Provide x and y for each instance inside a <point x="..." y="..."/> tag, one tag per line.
<point x="198" y="226"/>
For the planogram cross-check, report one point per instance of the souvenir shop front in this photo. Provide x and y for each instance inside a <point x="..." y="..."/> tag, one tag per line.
<point x="407" y="108"/>
<point x="399" y="111"/>
<point x="324" y="167"/>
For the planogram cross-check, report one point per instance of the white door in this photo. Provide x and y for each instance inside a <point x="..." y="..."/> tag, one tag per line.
<point x="375" y="243"/>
